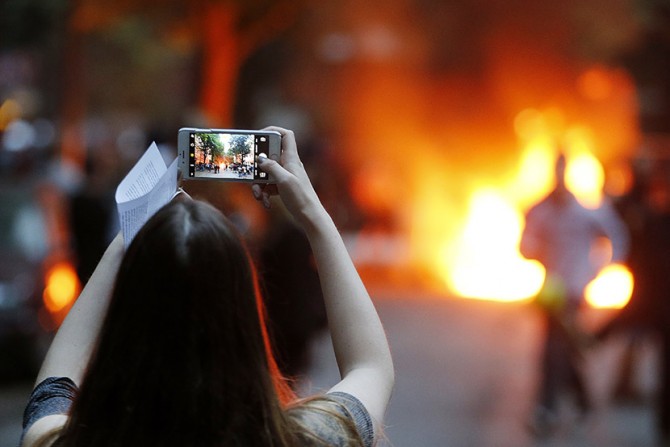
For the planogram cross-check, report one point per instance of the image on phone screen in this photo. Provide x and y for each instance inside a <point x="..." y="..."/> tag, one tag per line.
<point x="229" y="156"/>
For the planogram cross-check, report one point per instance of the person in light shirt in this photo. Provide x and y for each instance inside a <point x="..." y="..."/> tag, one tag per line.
<point x="561" y="234"/>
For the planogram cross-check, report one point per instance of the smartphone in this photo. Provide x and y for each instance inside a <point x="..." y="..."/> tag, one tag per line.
<point x="226" y="154"/>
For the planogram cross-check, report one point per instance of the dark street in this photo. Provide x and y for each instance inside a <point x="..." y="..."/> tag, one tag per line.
<point x="465" y="376"/>
<point x="465" y="373"/>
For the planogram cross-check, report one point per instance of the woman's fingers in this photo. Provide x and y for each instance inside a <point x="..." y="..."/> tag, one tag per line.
<point x="263" y="192"/>
<point x="257" y="191"/>
<point x="274" y="169"/>
<point x="290" y="179"/>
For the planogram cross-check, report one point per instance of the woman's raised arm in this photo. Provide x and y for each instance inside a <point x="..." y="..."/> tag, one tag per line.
<point x="361" y="349"/>
<point x="72" y="346"/>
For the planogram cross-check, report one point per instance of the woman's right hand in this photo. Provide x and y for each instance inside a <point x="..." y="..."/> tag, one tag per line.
<point x="359" y="341"/>
<point x="292" y="183"/>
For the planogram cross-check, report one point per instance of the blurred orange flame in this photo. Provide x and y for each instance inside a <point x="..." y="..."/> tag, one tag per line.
<point x="484" y="261"/>
<point x="585" y="177"/>
<point x="62" y="287"/>
<point x="595" y="84"/>
<point x="438" y="161"/>
<point x="612" y="288"/>
<point x="487" y="264"/>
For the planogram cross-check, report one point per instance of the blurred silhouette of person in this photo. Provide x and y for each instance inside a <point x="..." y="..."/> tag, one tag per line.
<point x="657" y="285"/>
<point x="560" y="233"/>
<point x="293" y="298"/>
<point x="653" y="281"/>
<point x="648" y="61"/>
<point x="649" y="309"/>
<point x="635" y="324"/>
<point x="93" y="212"/>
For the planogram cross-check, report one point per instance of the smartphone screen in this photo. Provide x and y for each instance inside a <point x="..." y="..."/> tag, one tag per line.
<point x="231" y="156"/>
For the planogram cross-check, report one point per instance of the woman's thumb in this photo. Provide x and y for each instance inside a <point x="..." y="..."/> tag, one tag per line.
<point x="270" y="166"/>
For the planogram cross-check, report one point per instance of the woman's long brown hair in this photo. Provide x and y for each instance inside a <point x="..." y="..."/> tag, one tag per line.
<point x="183" y="357"/>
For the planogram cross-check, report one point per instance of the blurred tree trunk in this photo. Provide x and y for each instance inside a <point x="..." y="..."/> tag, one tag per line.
<point x="227" y="44"/>
<point x="228" y="32"/>
<point x="221" y="62"/>
<point x="73" y="92"/>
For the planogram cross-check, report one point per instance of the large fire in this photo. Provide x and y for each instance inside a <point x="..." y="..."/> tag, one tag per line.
<point x="451" y="132"/>
<point x="485" y="262"/>
<point x="464" y="209"/>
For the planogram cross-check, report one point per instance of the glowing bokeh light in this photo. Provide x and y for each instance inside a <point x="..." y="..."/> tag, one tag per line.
<point x="612" y="288"/>
<point x="10" y="110"/>
<point x="585" y="178"/>
<point x="62" y="287"/>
